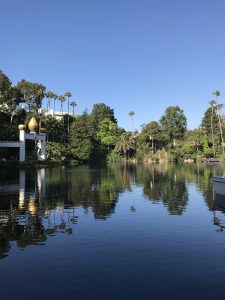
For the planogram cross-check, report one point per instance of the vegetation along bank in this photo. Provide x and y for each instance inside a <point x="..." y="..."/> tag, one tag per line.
<point x="97" y="136"/>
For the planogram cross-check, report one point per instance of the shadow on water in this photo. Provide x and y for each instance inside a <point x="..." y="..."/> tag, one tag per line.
<point x="36" y="204"/>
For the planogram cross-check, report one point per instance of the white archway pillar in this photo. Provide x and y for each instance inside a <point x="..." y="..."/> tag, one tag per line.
<point x="22" y="146"/>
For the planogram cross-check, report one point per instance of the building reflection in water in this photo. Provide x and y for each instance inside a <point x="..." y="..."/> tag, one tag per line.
<point x="29" y="220"/>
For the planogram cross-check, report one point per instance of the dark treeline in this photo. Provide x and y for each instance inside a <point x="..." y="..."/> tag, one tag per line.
<point x="97" y="136"/>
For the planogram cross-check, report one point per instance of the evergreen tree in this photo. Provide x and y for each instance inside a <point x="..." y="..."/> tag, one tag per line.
<point x="210" y="121"/>
<point x="100" y="112"/>
<point x="81" y="137"/>
<point x="174" y="123"/>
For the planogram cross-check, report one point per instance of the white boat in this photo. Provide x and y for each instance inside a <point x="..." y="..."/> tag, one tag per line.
<point x="219" y="184"/>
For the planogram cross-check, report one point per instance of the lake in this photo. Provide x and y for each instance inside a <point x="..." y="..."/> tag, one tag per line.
<point x="118" y="232"/>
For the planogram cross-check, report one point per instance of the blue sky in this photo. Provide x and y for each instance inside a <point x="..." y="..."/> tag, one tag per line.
<point x="130" y="54"/>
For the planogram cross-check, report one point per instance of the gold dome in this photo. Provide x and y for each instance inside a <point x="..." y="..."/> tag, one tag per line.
<point x="33" y="125"/>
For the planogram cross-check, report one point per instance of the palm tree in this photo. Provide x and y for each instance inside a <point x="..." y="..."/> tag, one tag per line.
<point x="212" y="103"/>
<point x="126" y="143"/>
<point x="55" y="97"/>
<point x="132" y="113"/>
<point x="73" y="104"/>
<point x="49" y="96"/>
<point x="216" y="93"/>
<point x="61" y="99"/>
<point x="218" y="107"/>
<point x="68" y="95"/>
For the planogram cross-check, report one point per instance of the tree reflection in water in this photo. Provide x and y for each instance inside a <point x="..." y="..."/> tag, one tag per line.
<point x="39" y="203"/>
<point x="165" y="184"/>
<point x="36" y="204"/>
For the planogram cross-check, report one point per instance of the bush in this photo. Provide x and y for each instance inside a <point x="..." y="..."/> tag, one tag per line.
<point x="56" y="151"/>
<point x="175" y="155"/>
<point x="114" y="156"/>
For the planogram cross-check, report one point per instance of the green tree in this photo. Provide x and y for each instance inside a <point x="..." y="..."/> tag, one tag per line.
<point x="100" y="112"/>
<point x="68" y="95"/>
<point x="210" y="123"/>
<point x="49" y="96"/>
<point x="5" y="84"/>
<point x="73" y="104"/>
<point x="196" y="137"/>
<point x="126" y="144"/>
<point x="61" y="99"/>
<point x="151" y="133"/>
<point x="212" y="103"/>
<point x="55" y="97"/>
<point x="81" y="137"/>
<point x="174" y="123"/>
<point x="131" y="114"/>
<point x="55" y="151"/>
<point x="107" y="132"/>
<point x="54" y="129"/>
<point x="10" y="97"/>
<point x="218" y="108"/>
<point x="33" y="94"/>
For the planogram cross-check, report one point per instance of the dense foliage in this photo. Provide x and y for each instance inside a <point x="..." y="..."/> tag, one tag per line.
<point x="97" y="136"/>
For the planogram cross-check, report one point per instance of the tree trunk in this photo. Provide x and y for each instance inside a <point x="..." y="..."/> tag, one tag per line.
<point x="54" y="109"/>
<point x="221" y="131"/>
<point x="212" y="132"/>
<point x="68" y="119"/>
<point x="133" y="123"/>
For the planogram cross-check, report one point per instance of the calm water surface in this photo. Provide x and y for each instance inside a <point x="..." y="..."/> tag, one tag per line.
<point x="121" y="232"/>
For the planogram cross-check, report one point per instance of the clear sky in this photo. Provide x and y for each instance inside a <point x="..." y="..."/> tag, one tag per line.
<point x="140" y="55"/>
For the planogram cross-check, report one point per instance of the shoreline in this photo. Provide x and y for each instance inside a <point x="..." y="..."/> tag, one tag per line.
<point x="40" y="164"/>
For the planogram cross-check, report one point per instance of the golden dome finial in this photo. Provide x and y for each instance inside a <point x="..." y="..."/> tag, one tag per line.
<point x="33" y="125"/>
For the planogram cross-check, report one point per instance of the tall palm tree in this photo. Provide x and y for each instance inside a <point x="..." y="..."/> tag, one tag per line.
<point x="132" y="113"/>
<point x="55" y="97"/>
<point x="49" y="96"/>
<point x="61" y="99"/>
<point x="212" y="103"/>
<point x="68" y="95"/>
<point x="73" y="104"/>
<point x="218" y="107"/>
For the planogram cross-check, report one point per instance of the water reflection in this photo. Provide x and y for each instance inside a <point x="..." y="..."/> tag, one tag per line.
<point x="37" y="204"/>
<point x="165" y="185"/>
<point x="219" y="212"/>
<point x="25" y="216"/>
